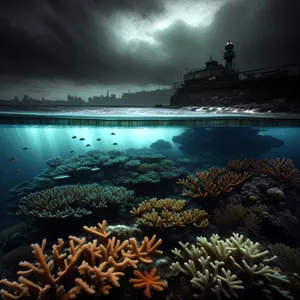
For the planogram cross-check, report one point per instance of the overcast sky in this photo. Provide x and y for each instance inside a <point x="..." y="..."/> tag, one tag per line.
<point x="50" y="48"/>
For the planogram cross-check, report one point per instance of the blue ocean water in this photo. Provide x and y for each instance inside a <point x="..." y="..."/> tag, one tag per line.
<point x="150" y="163"/>
<point x="44" y="142"/>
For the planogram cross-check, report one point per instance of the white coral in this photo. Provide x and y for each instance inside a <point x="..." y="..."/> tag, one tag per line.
<point x="205" y="265"/>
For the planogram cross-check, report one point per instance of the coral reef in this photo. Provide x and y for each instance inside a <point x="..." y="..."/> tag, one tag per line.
<point x="148" y="281"/>
<point x="232" y="213"/>
<point x="290" y="257"/>
<point x="217" y="180"/>
<point x="72" y="200"/>
<point x="281" y="169"/>
<point x="168" y="213"/>
<point x="212" y="182"/>
<point x="226" y="268"/>
<point x="81" y="268"/>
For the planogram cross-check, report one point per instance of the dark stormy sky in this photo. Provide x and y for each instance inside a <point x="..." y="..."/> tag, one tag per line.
<point x="50" y="48"/>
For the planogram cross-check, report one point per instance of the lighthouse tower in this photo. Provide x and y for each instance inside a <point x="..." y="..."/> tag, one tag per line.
<point x="229" y="55"/>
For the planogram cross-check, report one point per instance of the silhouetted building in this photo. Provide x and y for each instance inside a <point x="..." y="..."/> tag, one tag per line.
<point x="73" y="100"/>
<point x="213" y="71"/>
<point x="216" y="74"/>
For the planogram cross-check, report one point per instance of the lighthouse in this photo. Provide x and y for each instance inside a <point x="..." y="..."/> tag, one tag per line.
<point x="229" y="55"/>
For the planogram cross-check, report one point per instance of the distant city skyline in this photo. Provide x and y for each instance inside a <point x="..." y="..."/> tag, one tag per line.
<point x="140" y="98"/>
<point x="85" y="92"/>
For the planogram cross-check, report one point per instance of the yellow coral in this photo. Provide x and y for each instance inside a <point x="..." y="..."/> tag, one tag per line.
<point x="168" y="213"/>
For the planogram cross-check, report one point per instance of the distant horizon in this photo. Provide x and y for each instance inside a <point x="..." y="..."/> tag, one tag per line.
<point x="50" y="48"/>
<point x="104" y="96"/>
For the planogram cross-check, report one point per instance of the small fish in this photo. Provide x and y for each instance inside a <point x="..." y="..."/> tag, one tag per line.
<point x="12" y="159"/>
<point x="74" y="137"/>
<point x="88" y="145"/>
<point x="94" y="169"/>
<point x="81" y="139"/>
<point x="18" y="170"/>
<point x="25" y="148"/>
<point x="115" y="144"/>
<point x="61" y="177"/>
<point x="98" y="139"/>
<point x="113" y="133"/>
<point x="72" y="151"/>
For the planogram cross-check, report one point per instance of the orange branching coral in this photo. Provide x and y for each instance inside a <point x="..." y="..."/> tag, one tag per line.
<point x="278" y="168"/>
<point x="253" y="166"/>
<point x="193" y="187"/>
<point x="145" y="251"/>
<point x="147" y="281"/>
<point x="282" y="168"/>
<point x="168" y="213"/>
<point x="81" y="267"/>
<point x="212" y="182"/>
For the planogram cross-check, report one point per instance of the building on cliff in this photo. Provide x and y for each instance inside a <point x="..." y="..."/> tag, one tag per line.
<point x="231" y="86"/>
<point x="213" y="71"/>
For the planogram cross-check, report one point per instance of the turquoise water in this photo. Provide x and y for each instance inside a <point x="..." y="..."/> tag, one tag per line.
<point x="235" y="188"/>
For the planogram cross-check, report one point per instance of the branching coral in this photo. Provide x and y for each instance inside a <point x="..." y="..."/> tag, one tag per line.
<point x="226" y="267"/>
<point x="72" y="200"/>
<point x="212" y="182"/>
<point x="82" y="267"/>
<point x="232" y="213"/>
<point x="168" y="213"/>
<point x="278" y="168"/>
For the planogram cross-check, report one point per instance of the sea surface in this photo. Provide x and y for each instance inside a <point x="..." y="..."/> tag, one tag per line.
<point x="208" y="199"/>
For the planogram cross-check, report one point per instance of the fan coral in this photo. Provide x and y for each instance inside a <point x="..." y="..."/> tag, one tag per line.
<point x="226" y="267"/>
<point x="72" y="200"/>
<point x="289" y="256"/>
<point x="147" y="281"/>
<point x="232" y="213"/>
<point x="82" y="267"/>
<point x="168" y="213"/>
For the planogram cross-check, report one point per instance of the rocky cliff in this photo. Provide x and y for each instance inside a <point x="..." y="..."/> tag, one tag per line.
<point x="279" y="94"/>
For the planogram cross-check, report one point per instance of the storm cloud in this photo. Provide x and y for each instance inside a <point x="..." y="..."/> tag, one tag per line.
<point x="117" y="42"/>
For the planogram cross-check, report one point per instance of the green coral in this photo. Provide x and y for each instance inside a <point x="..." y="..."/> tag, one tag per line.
<point x="225" y="267"/>
<point x="72" y="200"/>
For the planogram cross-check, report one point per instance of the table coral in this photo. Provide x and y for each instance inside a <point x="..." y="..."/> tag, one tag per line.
<point x="72" y="200"/>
